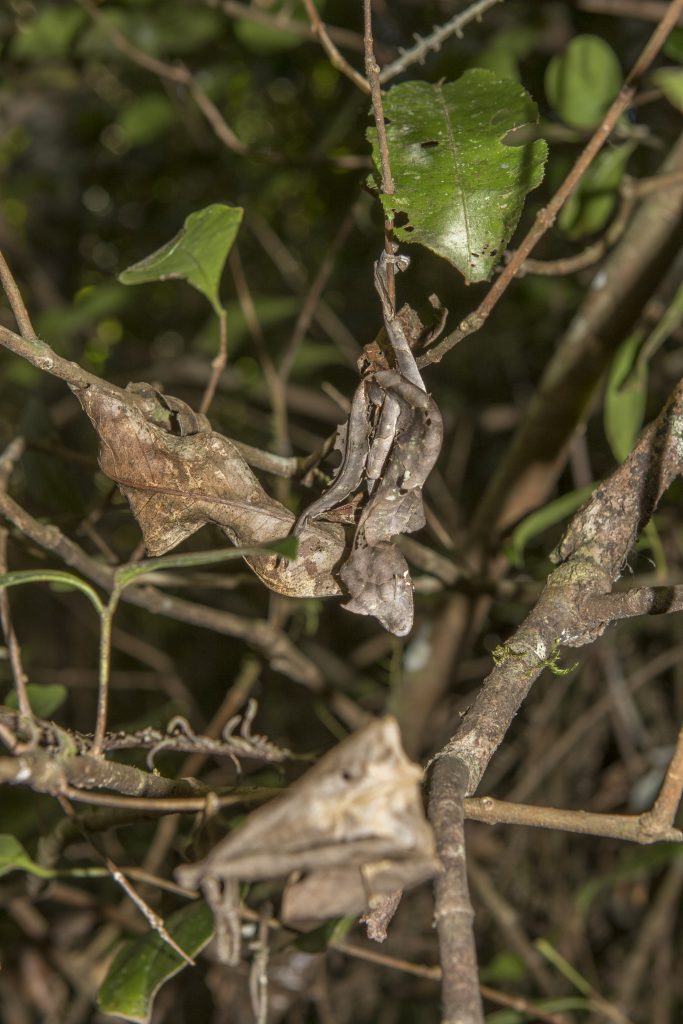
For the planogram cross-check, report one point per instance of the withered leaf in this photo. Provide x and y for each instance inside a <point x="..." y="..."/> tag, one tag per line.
<point x="353" y="826"/>
<point x="177" y="480"/>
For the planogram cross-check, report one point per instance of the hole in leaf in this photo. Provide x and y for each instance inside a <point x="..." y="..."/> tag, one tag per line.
<point x="400" y="220"/>
<point x="429" y="144"/>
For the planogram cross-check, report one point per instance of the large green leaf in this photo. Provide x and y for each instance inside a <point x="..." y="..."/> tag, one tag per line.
<point x="460" y="188"/>
<point x="142" y="966"/>
<point x="582" y="82"/>
<point x="197" y="254"/>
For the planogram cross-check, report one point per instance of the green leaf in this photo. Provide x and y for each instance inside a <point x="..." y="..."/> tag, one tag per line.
<point x="551" y="514"/>
<point x="183" y="29"/>
<point x="670" y="81"/>
<point x="317" y="940"/>
<point x="56" y="576"/>
<point x="460" y="188"/>
<point x="506" y="48"/>
<point x="142" y="966"/>
<point x="44" y="699"/>
<point x="669" y="322"/>
<point x="265" y="39"/>
<point x="48" y="35"/>
<point x="582" y="82"/>
<point x="625" y="397"/>
<point x="14" y="857"/>
<point x="504" y="969"/>
<point x="90" y="304"/>
<point x="285" y="546"/>
<point x="632" y="865"/>
<point x="589" y="208"/>
<point x="673" y="47"/>
<point x="146" y="118"/>
<point x="197" y="254"/>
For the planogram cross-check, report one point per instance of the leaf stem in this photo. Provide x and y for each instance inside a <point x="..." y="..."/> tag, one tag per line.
<point x="106" y="619"/>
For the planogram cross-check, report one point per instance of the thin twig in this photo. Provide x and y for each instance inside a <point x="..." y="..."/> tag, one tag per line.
<point x="433" y="42"/>
<point x="15" y="300"/>
<point x="177" y="73"/>
<point x="276" y="389"/>
<point x="296" y="277"/>
<point x="344" y="37"/>
<point x="663" y="813"/>
<point x="434" y="974"/>
<point x="155" y="922"/>
<point x="636" y="828"/>
<point x="646" y="10"/>
<point x="13" y="648"/>
<point x="336" y="59"/>
<point x="310" y="304"/>
<point x="217" y="364"/>
<point x="387" y="182"/>
<point x="106" y="619"/>
<point x="545" y="218"/>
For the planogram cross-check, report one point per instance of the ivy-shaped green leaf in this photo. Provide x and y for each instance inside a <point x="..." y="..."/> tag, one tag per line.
<point x="582" y="82"/>
<point x="142" y="966"/>
<point x="459" y="190"/>
<point x="197" y="254"/>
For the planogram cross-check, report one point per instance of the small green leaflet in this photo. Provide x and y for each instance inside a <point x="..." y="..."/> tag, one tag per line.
<point x="44" y="699"/>
<point x="670" y="81"/>
<point x="626" y="392"/>
<point x="625" y="397"/>
<point x="461" y="189"/>
<point x="141" y="966"/>
<point x="582" y="82"/>
<point x="541" y="519"/>
<point x="591" y="205"/>
<point x="197" y="254"/>
<point x="14" y="857"/>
